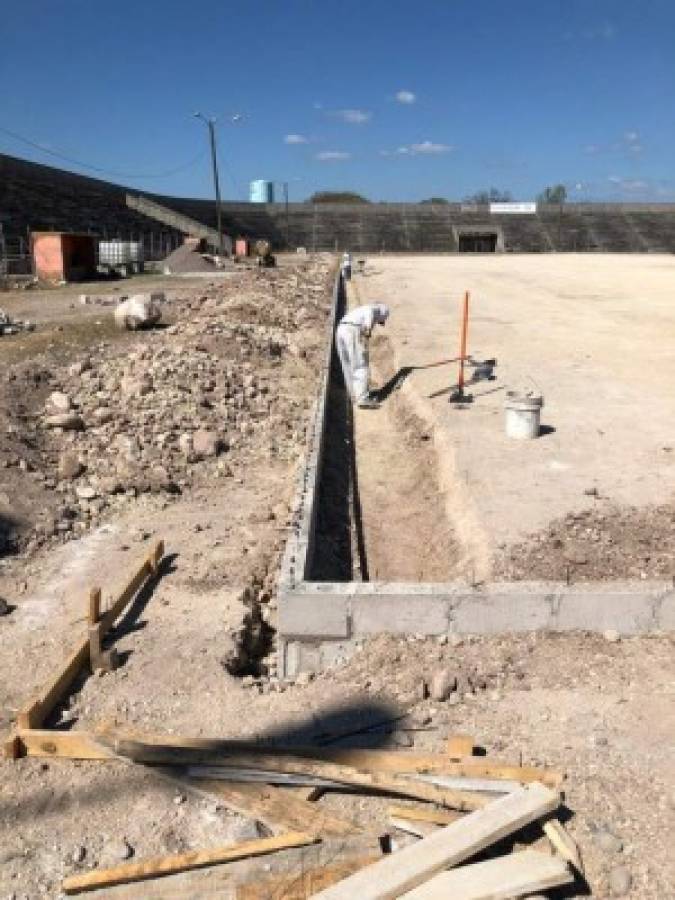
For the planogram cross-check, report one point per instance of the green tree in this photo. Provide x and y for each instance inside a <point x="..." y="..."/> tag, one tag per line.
<point x="435" y="200"/>
<point x="493" y="195"/>
<point x="556" y="194"/>
<point x="337" y="197"/>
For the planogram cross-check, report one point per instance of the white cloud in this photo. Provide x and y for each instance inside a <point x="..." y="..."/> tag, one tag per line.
<point x="604" y="32"/>
<point x="424" y="147"/>
<point x="430" y="147"/>
<point x="332" y="155"/>
<point x="629" y="143"/>
<point x="631" y="140"/>
<point x="296" y="139"/>
<point x="405" y="97"/>
<point x="353" y="116"/>
<point x="629" y="185"/>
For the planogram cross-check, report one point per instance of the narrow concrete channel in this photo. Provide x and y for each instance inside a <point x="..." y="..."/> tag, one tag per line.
<point x="382" y="513"/>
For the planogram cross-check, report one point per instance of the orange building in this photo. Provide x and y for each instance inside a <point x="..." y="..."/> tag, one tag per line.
<point x="62" y="256"/>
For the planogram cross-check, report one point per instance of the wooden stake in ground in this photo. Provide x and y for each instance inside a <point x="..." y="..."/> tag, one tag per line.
<point x="449" y="846"/>
<point x="34" y="714"/>
<point x="181" y="862"/>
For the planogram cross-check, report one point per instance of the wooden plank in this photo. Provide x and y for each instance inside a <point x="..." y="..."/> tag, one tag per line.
<point x="287" y="764"/>
<point x="424" y="814"/>
<point x="564" y="843"/>
<point x="460" y="745"/>
<point x="87" y="745"/>
<point x="301" y="885"/>
<point x="482" y="785"/>
<point x="34" y="714"/>
<point x="275" y="808"/>
<point x="496" y="879"/>
<point x="147" y="568"/>
<point x="181" y="862"/>
<point x="449" y="846"/>
<point x="341" y="777"/>
<point x="94" y="606"/>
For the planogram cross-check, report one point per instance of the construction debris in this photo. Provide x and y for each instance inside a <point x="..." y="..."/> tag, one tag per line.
<point x="170" y="865"/>
<point x="469" y="821"/>
<point x="139" y="311"/>
<point x="13" y="326"/>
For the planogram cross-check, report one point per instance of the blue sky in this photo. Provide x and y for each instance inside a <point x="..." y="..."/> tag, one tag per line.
<point x="396" y="100"/>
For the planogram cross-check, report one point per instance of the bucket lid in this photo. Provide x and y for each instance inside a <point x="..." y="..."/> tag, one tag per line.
<point x="523" y="400"/>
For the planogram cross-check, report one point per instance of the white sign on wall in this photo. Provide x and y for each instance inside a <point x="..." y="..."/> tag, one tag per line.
<point x="519" y="208"/>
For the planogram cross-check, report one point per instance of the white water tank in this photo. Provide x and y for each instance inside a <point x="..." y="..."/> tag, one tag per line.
<point x="261" y="191"/>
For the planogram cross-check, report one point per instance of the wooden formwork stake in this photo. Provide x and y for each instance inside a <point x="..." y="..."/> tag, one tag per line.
<point x="94" y="609"/>
<point x="88" y="651"/>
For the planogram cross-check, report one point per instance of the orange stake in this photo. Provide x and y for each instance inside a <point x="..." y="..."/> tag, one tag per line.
<point x="462" y="346"/>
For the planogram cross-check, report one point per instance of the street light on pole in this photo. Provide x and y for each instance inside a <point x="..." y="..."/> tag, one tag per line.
<point x="210" y="123"/>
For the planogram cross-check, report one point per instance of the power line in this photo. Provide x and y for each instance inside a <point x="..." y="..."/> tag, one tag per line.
<point x="110" y="172"/>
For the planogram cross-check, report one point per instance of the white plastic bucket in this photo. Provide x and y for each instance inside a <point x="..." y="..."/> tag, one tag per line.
<point x="523" y="415"/>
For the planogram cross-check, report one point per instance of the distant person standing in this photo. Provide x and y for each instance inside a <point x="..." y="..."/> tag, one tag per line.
<point x="351" y="340"/>
<point x="346" y="265"/>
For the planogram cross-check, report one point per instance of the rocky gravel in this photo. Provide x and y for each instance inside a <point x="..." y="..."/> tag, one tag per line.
<point x="176" y="407"/>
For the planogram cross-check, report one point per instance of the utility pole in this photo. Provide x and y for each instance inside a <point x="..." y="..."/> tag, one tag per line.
<point x="288" y="221"/>
<point x="216" y="184"/>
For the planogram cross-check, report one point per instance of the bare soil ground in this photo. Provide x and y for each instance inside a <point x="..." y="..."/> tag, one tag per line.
<point x="594" y="335"/>
<point x="600" y="709"/>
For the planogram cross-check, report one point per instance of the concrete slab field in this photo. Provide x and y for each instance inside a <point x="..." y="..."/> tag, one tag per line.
<point x="595" y="334"/>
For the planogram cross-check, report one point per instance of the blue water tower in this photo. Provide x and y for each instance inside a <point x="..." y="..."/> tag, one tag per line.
<point x="261" y="191"/>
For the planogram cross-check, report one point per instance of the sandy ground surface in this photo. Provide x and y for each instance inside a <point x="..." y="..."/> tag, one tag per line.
<point x="599" y="709"/>
<point x="594" y="334"/>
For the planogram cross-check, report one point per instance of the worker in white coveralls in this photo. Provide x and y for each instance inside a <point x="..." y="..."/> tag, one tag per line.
<point x="346" y="265"/>
<point x="351" y="339"/>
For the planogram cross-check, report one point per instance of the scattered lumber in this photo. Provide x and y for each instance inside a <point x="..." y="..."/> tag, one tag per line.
<point x="460" y="745"/>
<point x="181" y="862"/>
<point x="400" y="872"/>
<point x="340" y="778"/>
<point x="102" y="745"/>
<point x="481" y="785"/>
<point x="303" y="884"/>
<point x="564" y="843"/>
<point x="276" y="809"/>
<point x="36" y="712"/>
<point x="424" y="814"/>
<point x="497" y="879"/>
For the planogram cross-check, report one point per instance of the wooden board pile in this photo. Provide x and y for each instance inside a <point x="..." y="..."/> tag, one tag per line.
<point x="459" y="806"/>
<point x="464" y="811"/>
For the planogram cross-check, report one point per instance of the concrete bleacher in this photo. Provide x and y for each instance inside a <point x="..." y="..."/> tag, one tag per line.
<point x="41" y="197"/>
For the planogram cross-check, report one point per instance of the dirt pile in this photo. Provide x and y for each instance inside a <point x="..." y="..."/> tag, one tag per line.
<point x="185" y="259"/>
<point x="595" y="544"/>
<point x="180" y="407"/>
